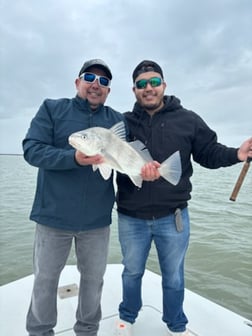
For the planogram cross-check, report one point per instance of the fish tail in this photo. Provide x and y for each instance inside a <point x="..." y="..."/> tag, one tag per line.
<point x="171" y="169"/>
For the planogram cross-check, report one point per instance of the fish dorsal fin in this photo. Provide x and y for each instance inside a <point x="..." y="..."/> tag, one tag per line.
<point x="141" y="149"/>
<point x="104" y="169"/>
<point x="119" y="130"/>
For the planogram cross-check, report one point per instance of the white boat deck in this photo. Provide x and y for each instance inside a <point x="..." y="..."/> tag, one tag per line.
<point x="205" y="317"/>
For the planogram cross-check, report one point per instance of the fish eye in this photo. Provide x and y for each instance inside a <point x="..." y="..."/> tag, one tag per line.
<point x="83" y="136"/>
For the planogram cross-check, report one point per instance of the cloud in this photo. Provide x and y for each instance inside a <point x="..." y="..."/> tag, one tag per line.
<point x="204" y="48"/>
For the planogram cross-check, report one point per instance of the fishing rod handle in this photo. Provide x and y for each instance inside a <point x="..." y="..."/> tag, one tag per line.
<point x="240" y="180"/>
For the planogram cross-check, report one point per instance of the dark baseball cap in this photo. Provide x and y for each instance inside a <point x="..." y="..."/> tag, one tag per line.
<point x="96" y="63"/>
<point x="146" y="66"/>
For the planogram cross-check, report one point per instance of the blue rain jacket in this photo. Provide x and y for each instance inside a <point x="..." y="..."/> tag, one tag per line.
<point x="68" y="196"/>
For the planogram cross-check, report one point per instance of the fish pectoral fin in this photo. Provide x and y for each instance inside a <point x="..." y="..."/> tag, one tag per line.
<point x="137" y="180"/>
<point x="119" y="130"/>
<point x="171" y="169"/>
<point x="105" y="171"/>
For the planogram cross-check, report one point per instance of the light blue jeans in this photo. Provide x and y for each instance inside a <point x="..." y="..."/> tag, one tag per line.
<point x="51" y="250"/>
<point x="171" y="241"/>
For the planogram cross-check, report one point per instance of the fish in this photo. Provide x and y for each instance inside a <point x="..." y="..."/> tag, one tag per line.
<point x="122" y="156"/>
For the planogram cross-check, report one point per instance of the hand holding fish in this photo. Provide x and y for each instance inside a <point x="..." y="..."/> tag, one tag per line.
<point x="150" y="172"/>
<point x="83" y="160"/>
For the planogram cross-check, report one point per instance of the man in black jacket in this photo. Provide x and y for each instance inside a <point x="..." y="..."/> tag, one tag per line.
<point x="158" y="211"/>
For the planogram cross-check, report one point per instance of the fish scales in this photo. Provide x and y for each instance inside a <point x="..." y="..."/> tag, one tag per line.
<point x="125" y="158"/>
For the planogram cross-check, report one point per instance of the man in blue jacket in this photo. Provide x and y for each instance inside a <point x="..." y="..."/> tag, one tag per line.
<point x="158" y="211"/>
<point x="72" y="202"/>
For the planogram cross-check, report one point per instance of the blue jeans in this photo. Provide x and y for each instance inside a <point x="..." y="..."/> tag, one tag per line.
<point x="51" y="250"/>
<point x="171" y="241"/>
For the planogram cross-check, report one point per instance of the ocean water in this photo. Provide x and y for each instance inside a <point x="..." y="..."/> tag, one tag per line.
<point x="219" y="259"/>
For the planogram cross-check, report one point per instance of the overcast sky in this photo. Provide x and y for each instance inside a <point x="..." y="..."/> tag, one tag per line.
<point x="204" y="48"/>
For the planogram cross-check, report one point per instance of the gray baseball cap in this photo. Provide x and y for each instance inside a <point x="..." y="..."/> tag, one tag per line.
<point x="96" y="63"/>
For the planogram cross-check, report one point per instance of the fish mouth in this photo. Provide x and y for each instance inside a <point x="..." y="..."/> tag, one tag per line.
<point x="71" y="141"/>
<point x="74" y="144"/>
